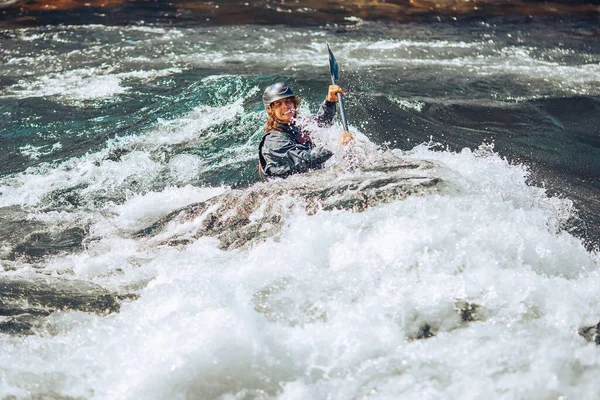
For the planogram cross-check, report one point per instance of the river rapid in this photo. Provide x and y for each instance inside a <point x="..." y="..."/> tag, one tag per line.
<point x="477" y="288"/>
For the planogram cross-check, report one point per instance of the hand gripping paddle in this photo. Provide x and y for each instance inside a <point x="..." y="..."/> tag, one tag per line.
<point x="334" y="69"/>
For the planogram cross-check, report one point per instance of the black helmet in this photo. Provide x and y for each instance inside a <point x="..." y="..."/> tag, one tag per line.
<point x="276" y="92"/>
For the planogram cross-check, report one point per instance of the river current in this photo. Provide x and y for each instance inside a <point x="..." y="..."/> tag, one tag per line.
<point x="475" y="290"/>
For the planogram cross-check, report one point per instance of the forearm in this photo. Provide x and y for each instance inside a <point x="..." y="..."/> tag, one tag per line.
<point x="326" y="113"/>
<point x="297" y="161"/>
<point x="319" y="155"/>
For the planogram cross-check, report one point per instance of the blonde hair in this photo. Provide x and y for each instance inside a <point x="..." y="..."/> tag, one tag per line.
<point x="272" y="122"/>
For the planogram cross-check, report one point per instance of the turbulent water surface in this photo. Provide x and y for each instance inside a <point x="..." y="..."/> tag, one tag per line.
<point x="451" y="254"/>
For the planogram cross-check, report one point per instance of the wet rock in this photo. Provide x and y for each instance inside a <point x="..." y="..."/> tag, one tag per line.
<point x="40" y="295"/>
<point x="425" y="332"/>
<point x="468" y="312"/>
<point x="64" y="198"/>
<point x="9" y="265"/>
<point x="591" y="333"/>
<point x="25" y="240"/>
<point x="14" y="225"/>
<point x="116" y="154"/>
<point x="8" y="309"/>
<point x="40" y="244"/>
<point x="25" y="302"/>
<point x="239" y="218"/>
<point x="419" y="327"/>
<point x="18" y="325"/>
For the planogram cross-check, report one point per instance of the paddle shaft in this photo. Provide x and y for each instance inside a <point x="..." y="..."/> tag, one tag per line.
<point x="341" y="102"/>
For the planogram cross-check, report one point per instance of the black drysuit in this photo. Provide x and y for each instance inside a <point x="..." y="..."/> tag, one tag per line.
<point x="287" y="150"/>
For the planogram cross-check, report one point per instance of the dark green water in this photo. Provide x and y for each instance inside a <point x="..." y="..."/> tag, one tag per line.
<point x="470" y="281"/>
<point x="530" y="89"/>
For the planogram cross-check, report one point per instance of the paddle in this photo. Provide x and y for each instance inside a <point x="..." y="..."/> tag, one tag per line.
<point x="334" y="69"/>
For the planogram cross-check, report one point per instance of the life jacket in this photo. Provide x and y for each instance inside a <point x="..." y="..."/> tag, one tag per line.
<point x="299" y="136"/>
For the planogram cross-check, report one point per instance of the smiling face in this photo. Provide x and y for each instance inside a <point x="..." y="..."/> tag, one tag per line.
<point x="284" y="110"/>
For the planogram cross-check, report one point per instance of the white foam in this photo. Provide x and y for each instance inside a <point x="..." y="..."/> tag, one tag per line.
<point x="279" y="321"/>
<point x="35" y="152"/>
<point x="75" y="84"/>
<point x="329" y="308"/>
<point x="409" y="104"/>
<point x="83" y="84"/>
<point x="564" y="71"/>
<point x="402" y="44"/>
<point x="101" y="175"/>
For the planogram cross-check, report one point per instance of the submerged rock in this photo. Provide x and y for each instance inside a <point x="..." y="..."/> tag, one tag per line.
<point x="420" y="327"/>
<point x="40" y="244"/>
<point x="591" y="333"/>
<point x="239" y="218"/>
<point x="469" y="312"/>
<point x="55" y="293"/>
<point x="14" y="226"/>
<point x="25" y="301"/>
<point x="28" y="240"/>
<point x="19" y="325"/>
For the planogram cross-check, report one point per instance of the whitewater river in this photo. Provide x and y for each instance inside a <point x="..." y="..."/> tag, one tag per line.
<point x="472" y="286"/>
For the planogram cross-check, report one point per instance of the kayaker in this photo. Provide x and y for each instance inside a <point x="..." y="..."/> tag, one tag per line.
<point x="286" y="148"/>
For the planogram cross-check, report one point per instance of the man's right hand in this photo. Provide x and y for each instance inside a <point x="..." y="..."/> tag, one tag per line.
<point x="346" y="138"/>
<point x="332" y="93"/>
